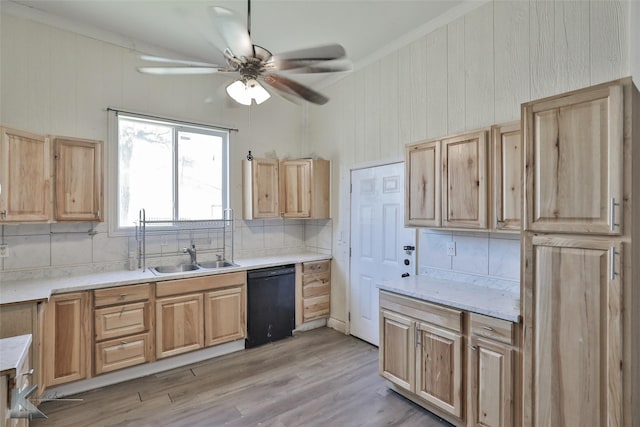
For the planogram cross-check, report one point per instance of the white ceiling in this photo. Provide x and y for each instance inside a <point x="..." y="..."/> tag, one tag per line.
<point x="183" y="28"/>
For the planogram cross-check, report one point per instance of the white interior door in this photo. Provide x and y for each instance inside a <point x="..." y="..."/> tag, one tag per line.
<point x="378" y="237"/>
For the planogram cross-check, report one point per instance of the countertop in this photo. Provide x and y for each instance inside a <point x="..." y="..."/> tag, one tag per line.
<point x="41" y="289"/>
<point x="13" y="351"/>
<point x="465" y="296"/>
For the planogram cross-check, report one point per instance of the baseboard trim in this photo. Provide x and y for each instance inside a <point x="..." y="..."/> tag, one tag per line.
<point x="338" y="325"/>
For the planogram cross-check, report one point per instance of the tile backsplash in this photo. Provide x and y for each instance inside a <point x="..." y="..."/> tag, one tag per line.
<point x="491" y="259"/>
<point x="65" y="249"/>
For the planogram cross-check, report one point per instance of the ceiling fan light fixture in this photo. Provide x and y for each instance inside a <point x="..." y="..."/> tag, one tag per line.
<point x="243" y="92"/>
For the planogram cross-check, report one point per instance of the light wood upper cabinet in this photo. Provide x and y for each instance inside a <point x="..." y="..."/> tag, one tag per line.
<point x="464" y="185"/>
<point x="67" y="338"/>
<point x="446" y="183"/>
<point x="507" y="176"/>
<point x="573" y="146"/>
<point x="573" y="311"/>
<point x="25" y="177"/>
<point x="179" y="324"/>
<point x="260" y="189"/>
<point x="422" y="184"/>
<point x="305" y="188"/>
<point x="79" y="179"/>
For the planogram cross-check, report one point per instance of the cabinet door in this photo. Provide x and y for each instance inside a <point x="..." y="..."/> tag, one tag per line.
<point x="574" y="158"/>
<point x="67" y="338"/>
<point x="490" y="384"/>
<point x="179" y="324"/>
<point x="422" y="184"/>
<point x="225" y="315"/>
<point x="260" y="189"/>
<point x="573" y="346"/>
<point x="78" y="171"/>
<point x="25" y="178"/>
<point x="464" y="186"/>
<point x="295" y="188"/>
<point x="439" y="368"/>
<point x="396" y="360"/>
<point x="507" y="176"/>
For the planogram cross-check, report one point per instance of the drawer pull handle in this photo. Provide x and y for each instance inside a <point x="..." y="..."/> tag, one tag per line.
<point x="488" y="328"/>
<point x="28" y="373"/>
<point x="123" y="342"/>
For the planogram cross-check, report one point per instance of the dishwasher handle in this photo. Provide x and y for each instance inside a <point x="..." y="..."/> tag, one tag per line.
<point x="271" y="272"/>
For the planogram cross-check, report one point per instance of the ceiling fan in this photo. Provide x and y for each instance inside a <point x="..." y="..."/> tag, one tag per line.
<point x="255" y="63"/>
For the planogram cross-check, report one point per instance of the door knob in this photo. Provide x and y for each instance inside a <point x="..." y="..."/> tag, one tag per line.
<point x="407" y="262"/>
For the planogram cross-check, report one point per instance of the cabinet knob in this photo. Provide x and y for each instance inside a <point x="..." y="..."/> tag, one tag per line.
<point x="473" y="347"/>
<point x="488" y="328"/>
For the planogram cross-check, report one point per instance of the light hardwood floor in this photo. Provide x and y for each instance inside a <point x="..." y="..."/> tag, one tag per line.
<point x="316" y="378"/>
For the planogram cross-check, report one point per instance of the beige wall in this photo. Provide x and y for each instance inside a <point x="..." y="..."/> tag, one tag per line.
<point x="54" y="81"/>
<point x="472" y="72"/>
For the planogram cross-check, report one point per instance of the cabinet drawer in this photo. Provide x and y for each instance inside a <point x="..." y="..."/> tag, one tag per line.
<point x="122" y="353"/>
<point x="316" y="285"/>
<point x="446" y="317"/>
<point x="121" y="320"/>
<point x="315" y="267"/>
<point x="315" y="308"/>
<point x="121" y="294"/>
<point x="490" y="327"/>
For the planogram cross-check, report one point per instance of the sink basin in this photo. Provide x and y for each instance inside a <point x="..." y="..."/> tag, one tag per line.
<point x="166" y="269"/>
<point x="216" y="264"/>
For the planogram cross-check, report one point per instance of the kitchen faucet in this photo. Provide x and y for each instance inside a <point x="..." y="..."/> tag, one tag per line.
<point x="192" y="253"/>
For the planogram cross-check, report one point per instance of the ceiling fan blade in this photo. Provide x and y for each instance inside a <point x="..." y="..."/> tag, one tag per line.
<point x="318" y="53"/>
<point x="261" y="53"/>
<point x="233" y="31"/>
<point x="179" y="70"/>
<point x="176" y="61"/>
<point x="307" y="66"/>
<point x="289" y="86"/>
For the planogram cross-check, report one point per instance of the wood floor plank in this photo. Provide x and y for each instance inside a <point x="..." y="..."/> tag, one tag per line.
<point x="316" y="378"/>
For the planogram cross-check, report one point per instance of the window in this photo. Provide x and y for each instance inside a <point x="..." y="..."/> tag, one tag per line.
<point x="173" y="171"/>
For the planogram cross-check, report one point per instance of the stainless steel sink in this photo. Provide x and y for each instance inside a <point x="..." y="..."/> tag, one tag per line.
<point x="167" y="269"/>
<point x="217" y="264"/>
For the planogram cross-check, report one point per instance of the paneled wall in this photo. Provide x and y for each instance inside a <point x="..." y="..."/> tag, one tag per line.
<point x="475" y="71"/>
<point x="58" y="82"/>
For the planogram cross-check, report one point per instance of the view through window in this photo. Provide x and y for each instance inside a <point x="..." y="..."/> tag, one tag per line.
<point x="174" y="172"/>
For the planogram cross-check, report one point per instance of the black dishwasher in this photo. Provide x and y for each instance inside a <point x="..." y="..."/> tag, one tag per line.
<point x="270" y="304"/>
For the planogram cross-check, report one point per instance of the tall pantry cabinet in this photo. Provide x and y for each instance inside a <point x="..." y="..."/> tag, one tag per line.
<point x="581" y="294"/>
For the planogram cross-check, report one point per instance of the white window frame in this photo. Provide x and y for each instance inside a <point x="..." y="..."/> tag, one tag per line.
<point x="116" y="229"/>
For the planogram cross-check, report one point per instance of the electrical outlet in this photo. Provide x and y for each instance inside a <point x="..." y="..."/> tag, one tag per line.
<point x="451" y="248"/>
<point x="4" y="250"/>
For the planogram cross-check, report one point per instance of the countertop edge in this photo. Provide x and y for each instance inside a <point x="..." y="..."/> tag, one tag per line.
<point x="32" y="291"/>
<point x="498" y="313"/>
<point x="14" y="350"/>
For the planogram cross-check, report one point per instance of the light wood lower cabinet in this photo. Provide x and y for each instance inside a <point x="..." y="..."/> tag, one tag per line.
<point x="224" y="314"/>
<point x="491" y="372"/>
<point x="22" y="319"/>
<point x="423" y="355"/>
<point x="21" y="380"/>
<point x="200" y="312"/>
<point x="439" y="367"/>
<point x="316" y="290"/>
<point x="179" y="324"/>
<point x="67" y="338"/>
<point x="123" y="325"/>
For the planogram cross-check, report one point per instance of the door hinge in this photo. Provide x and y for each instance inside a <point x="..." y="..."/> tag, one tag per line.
<point x="350" y="188"/>
<point x="349" y="316"/>
<point x="349" y="251"/>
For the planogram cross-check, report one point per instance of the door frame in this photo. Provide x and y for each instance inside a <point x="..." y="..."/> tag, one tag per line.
<point x="355" y="167"/>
